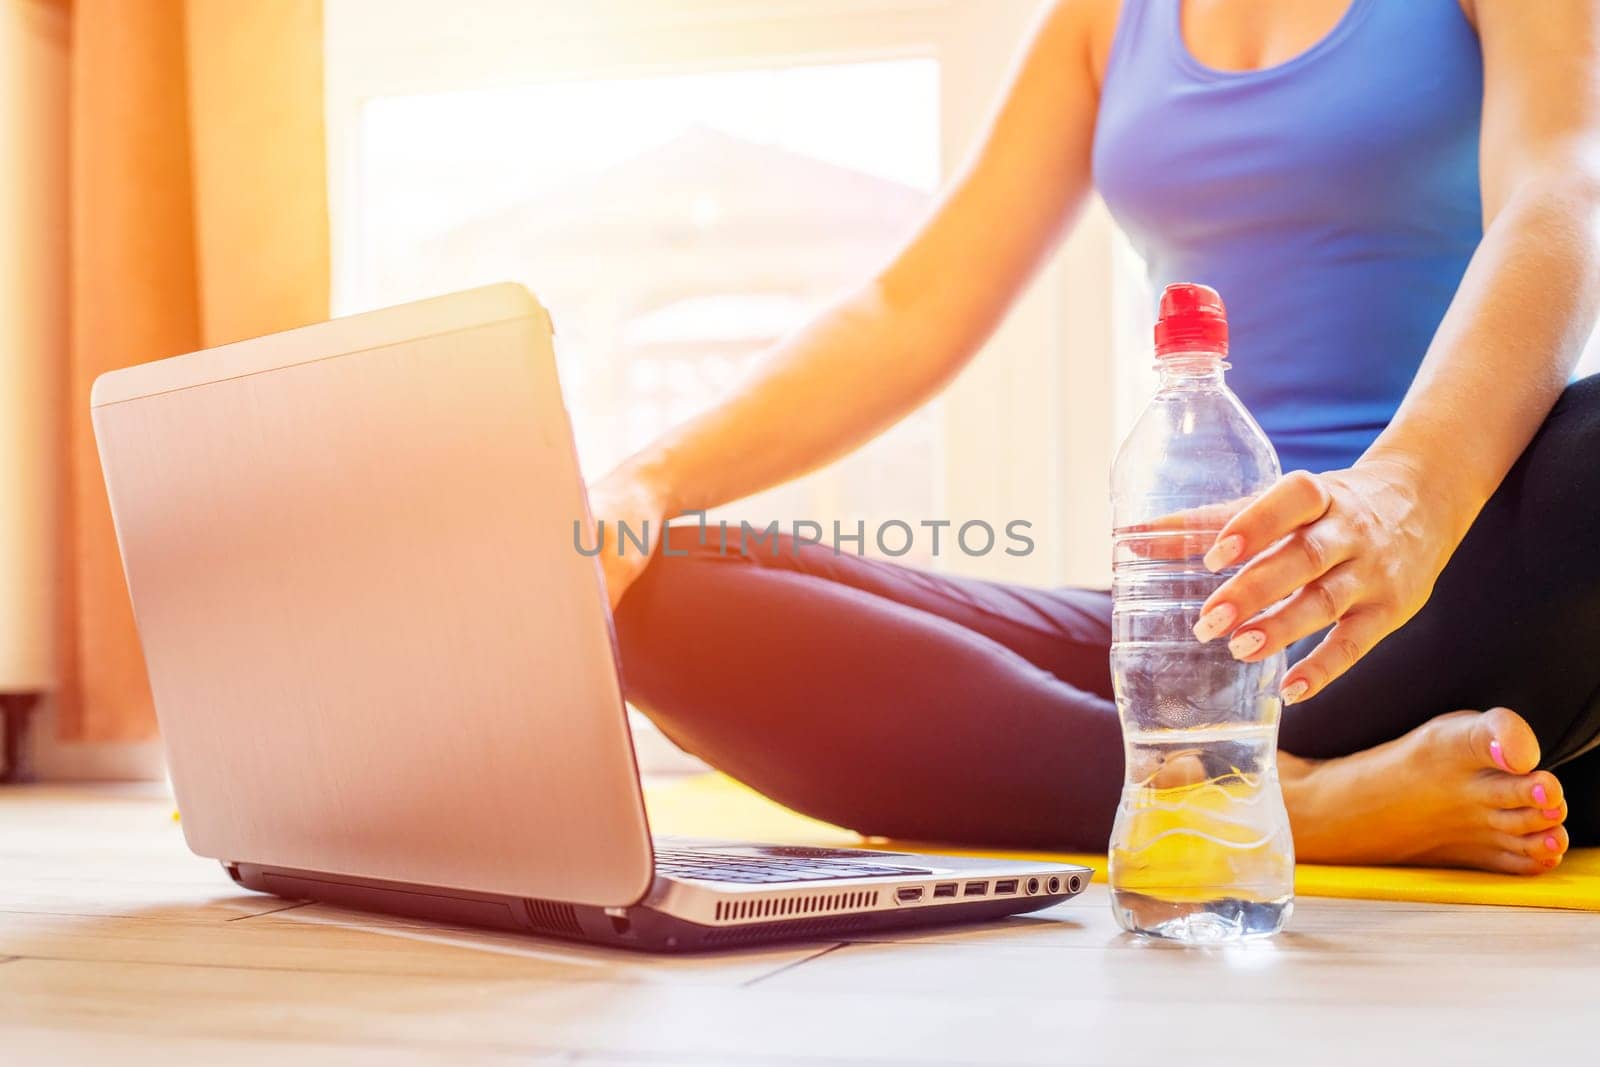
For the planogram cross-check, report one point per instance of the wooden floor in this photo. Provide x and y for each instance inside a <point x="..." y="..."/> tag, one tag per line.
<point x="118" y="946"/>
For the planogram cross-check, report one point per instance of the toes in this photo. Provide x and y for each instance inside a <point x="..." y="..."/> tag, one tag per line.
<point x="1544" y="847"/>
<point x="1544" y="791"/>
<point x="1510" y="863"/>
<point x="1500" y="738"/>
<point x="1540" y="790"/>
<point x="1554" y="843"/>
<point x="1492" y="856"/>
<point x="1520" y="821"/>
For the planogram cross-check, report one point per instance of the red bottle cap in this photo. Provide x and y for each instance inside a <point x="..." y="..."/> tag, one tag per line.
<point x="1192" y="320"/>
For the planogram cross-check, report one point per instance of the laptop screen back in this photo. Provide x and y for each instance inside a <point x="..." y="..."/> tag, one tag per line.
<point x="374" y="648"/>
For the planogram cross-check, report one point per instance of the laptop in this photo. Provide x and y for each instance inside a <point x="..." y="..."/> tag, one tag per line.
<point x="386" y="677"/>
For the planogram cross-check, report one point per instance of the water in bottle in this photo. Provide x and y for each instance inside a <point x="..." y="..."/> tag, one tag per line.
<point x="1201" y="850"/>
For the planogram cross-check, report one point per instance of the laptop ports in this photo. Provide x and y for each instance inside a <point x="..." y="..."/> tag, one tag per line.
<point x="945" y="889"/>
<point x="976" y="889"/>
<point x="909" y="894"/>
<point x="1005" y="887"/>
<point x="1055" y="885"/>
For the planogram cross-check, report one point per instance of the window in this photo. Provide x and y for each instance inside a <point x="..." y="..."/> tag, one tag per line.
<point x="684" y="183"/>
<point x="675" y="226"/>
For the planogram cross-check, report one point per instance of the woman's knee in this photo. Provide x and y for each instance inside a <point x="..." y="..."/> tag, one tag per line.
<point x="1552" y="493"/>
<point x="1572" y="428"/>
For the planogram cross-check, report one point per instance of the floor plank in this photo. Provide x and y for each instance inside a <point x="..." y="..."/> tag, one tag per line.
<point x="333" y="944"/>
<point x="960" y="1023"/>
<point x="1322" y="928"/>
<point x="26" y="1045"/>
<point x="1264" y="975"/>
<point x="118" y="945"/>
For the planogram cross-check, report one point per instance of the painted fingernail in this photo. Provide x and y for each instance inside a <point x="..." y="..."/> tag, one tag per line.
<point x="1215" y="622"/>
<point x="1548" y="863"/>
<point x="1295" y="690"/>
<point x="1497" y="754"/>
<point x="1224" y="552"/>
<point x="1552" y="844"/>
<point x="1247" y="643"/>
<point x="1540" y="797"/>
<point x="1551" y="813"/>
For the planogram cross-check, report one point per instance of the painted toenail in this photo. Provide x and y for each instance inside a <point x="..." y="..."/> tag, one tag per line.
<point x="1548" y="863"/>
<point x="1551" y="813"/>
<point x="1497" y="754"/>
<point x="1552" y="844"/>
<point x="1540" y="797"/>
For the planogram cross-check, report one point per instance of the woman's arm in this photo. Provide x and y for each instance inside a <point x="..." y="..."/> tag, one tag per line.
<point x="1364" y="546"/>
<point x="888" y="347"/>
<point x="1527" y="304"/>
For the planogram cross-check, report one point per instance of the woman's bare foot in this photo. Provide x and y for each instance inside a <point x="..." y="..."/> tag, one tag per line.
<point x="1458" y="791"/>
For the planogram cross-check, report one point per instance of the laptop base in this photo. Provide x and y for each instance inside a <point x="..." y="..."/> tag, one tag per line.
<point x="641" y="927"/>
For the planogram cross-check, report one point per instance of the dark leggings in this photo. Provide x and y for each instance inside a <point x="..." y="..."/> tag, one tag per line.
<point x="906" y="704"/>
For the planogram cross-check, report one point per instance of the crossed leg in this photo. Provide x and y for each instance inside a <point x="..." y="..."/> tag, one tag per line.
<point x="906" y="704"/>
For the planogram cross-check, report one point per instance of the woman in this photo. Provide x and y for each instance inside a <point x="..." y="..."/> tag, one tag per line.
<point x="1400" y="201"/>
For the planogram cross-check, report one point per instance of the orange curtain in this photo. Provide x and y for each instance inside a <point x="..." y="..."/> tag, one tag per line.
<point x="198" y="217"/>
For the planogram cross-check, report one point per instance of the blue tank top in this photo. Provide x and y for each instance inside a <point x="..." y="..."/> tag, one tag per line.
<point x="1332" y="200"/>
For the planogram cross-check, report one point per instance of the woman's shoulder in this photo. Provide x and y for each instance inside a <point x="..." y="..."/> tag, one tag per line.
<point x="1083" y="29"/>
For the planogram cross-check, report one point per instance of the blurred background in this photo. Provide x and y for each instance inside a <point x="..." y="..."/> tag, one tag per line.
<point x="682" y="182"/>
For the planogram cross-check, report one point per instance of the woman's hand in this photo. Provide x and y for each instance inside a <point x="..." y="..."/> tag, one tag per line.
<point x="626" y="496"/>
<point x="1358" y="548"/>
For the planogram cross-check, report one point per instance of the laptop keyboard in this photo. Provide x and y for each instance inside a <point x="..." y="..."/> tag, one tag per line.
<point x="800" y="865"/>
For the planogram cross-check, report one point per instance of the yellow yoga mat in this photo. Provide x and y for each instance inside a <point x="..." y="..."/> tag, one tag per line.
<point x="712" y="805"/>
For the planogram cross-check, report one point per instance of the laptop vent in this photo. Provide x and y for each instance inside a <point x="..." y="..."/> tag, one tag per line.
<point x="811" y="904"/>
<point x="838" y="924"/>
<point x="548" y="917"/>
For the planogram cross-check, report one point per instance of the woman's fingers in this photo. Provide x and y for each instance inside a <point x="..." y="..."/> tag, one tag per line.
<point x="1145" y="543"/>
<point x="1206" y="517"/>
<point x="1181" y="534"/>
<point x="1294" y="563"/>
<point x="1352" y="638"/>
<point x="1297" y="499"/>
<point x="1315" y="607"/>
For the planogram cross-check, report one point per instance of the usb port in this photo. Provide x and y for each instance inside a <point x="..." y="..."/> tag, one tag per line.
<point x="945" y="889"/>
<point x="909" y="895"/>
<point x="976" y="889"/>
<point x="1009" y="885"/>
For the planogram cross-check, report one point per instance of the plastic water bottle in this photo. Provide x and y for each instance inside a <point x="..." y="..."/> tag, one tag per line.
<point x="1201" y="850"/>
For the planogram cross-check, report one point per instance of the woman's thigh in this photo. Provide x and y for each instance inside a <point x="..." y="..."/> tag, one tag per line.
<point x="1066" y="631"/>
<point x="879" y="698"/>
<point x="1514" y="619"/>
